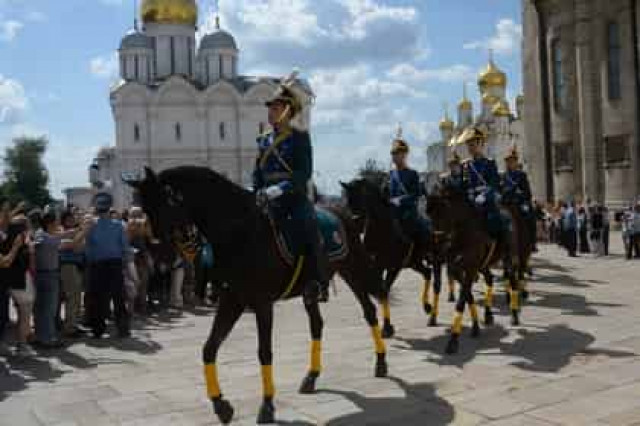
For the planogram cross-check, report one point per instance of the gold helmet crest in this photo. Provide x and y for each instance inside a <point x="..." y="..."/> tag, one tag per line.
<point x="285" y="94"/>
<point x="512" y="154"/>
<point x="399" y="145"/>
<point x="471" y="134"/>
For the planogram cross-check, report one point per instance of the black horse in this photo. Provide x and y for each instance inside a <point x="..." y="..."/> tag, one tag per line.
<point x="388" y="246"/>
<point x="474" y="251"/>
<point x="247" y="260"/>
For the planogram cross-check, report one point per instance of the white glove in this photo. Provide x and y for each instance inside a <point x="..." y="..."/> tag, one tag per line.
<point x="481" y="199"/>
<point x="396" y="201"/>
<point x="273" y="192"/>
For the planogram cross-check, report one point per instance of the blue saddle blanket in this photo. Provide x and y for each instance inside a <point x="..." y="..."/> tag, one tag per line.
<point x="332" y="233"/>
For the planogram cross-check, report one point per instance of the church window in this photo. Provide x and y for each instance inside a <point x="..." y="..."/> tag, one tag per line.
<point x="136" y="67"/>
<point x="136" y="133"/>
<point x="559" y="87"/>
<point x="178" y="130"/>
<point x="220" y="66"/>
<point x="614" y="50"/>
<point x="172" y="45"/>
<point x="189" y="44"/>
<point x="616" y="150"/>
<point x="563" y="156"/>
<point x="207" y="63"/>
<point x="222" y="131"/>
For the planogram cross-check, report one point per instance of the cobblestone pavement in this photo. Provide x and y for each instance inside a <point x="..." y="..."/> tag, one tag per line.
<point x="574" y="361"/>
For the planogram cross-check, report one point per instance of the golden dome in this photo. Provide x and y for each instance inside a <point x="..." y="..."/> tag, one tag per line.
<point x="465" y="105"/>
<point x="492" y="76"/>
<point x="501" y="109"/>
<point x="181" y="12"/>
<point x="446" y="124"/>
<point x="488" y="99"/>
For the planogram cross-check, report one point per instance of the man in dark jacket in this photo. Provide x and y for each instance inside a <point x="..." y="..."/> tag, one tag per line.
<point x="284" y="168"/>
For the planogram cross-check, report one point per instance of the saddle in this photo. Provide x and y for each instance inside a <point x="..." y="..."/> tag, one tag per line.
<point x="333" y="237"/>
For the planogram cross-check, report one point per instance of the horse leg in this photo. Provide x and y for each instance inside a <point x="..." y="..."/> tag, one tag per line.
<point x="369" y="310"/>
<point x="488" y="298"/>
<point x="229" y="312"/>
<point x="264" y="321"/>
<point x="315" y="365"/>
<point x="524" y="292"/>
<point x="452" y="287"/>
<point x="388" y="330"/>
<point x="437" y="289"/>
<point x="456" y="328"/>
<point x="473" y="309"/>
<point x="514" y="298"/>
<point x="426" y="274"/>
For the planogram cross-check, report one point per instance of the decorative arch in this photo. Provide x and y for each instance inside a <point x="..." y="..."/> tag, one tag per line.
<point x="131" y="93"/>
<point x="222" y="92"/>
<point x="176" y="91"/>
<point x="259" y="92"/>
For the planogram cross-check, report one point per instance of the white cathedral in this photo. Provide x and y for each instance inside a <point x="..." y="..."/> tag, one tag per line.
<point x="504" y="129"/>
<point x="182" y="102"/>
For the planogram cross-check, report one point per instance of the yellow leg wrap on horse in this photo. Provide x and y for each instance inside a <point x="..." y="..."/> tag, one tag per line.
<point x="386" y="310"/>
<point x="436" y="305"/>
<point x="457" y="323"/>
<point x="473" y="308"/>
<point x="211" y="378"/>
<point x="316" y="356"/>
<point x="515" y="300"/>
<point x="488" y="297"/>
<point x="425" y="292"/>
<point x="377" y="339"/>
<point x="268" y="388"/>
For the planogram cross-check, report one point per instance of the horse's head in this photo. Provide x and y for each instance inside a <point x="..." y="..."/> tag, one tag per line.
<point x="168" y="216"/>
<point x="362" y="196"/>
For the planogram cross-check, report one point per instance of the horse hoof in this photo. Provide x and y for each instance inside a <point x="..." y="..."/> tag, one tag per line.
<point x="433" y="321"/>
<point x="475" y="330"/>
<point x="452" y="346"/>
<point x="427" y="308"/>
<point x="515" y="318"/>
<point x="388" y="331"/>
<point x="267" y="414"/>
<point x="382" y="370"/>
<point x="452" y="298"/>
<point x="488" y="317"/>
<point x="223" y="410"/>
<point x="308" y="385"/>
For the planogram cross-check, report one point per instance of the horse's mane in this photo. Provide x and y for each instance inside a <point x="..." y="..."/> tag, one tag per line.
<point x="208" y="187"/>
<point x="373" y="188"/>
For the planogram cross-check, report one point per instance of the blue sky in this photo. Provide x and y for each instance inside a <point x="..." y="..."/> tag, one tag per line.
<point x="372" y="64"/>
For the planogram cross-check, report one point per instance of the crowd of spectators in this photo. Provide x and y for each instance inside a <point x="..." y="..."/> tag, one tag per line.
<point x="68" y="274"/>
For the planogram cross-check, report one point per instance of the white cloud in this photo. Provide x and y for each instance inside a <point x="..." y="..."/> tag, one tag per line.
<point x="105" y="66"/>
<point x="312" y="34"/>
<point x="9" y="29"/>
<point x="13" y="100"/>
<point x="506" y="39"/>
<point x="409" y="73"/>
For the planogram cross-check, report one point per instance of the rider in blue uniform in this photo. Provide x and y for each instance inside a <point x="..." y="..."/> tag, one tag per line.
<point x="482" y="180"/>
<point x="454" y="178"/>
<point x="283" y="170"/>
<point x="405" y="191"/>
<point x="516" y="190"/>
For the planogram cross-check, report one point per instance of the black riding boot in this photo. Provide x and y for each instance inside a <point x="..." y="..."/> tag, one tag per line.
<point x="317" y="286"/>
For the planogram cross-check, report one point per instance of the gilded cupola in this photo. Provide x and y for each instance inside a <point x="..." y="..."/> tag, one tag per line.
<point x="492" y="76"/>
<point x="179" y="12"/>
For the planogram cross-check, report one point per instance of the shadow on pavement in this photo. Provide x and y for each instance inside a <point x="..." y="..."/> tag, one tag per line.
<point x="548" y="350"/>
<point x="420" y="405"/>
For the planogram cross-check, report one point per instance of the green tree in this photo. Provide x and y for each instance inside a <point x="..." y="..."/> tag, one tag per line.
<point x="26" y="176"/>
<point x="374" y="172"/>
